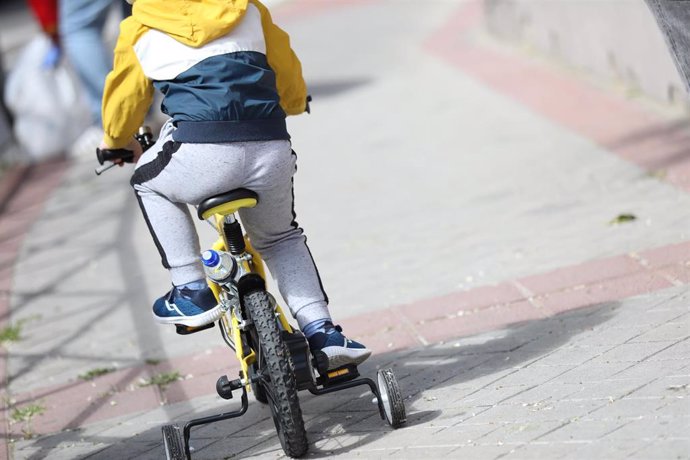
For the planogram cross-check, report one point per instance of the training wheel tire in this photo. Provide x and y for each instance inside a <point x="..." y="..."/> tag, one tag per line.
<point x="173" y="440"/>
<point x="391" y="398"/>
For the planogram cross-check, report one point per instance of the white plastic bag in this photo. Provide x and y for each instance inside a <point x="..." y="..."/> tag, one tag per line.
<point x="49" y="113"/>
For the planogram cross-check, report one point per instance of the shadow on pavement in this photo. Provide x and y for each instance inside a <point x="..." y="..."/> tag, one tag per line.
<point x="341" y="422"/>
<point x="671" y="139"/>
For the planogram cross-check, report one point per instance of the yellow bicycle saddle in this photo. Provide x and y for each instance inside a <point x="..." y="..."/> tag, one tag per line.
<point x="227" y="203"/>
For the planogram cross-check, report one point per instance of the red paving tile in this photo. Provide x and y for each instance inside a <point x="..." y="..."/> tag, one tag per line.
<point x="371" y="323"/>
<point x="667" y="254"/>
<point x="451" y="304"/>
<point x="389" y="338"/>
<point x="610" y="290"/>
<point x="480" y="320"/>
<point x="679" y="273"/>
<point x="586" y="273"/>
<point x="10" y="182"/>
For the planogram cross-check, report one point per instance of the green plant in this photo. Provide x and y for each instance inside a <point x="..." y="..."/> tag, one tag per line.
<point x="93" y="373"/>
<point x="622" y="218"/>
<point x="11" y="333"/>
<point x="162" y="380"/>
<point x="26" y="414"/>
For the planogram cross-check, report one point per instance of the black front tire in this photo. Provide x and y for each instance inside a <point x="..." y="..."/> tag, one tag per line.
<point x="278" y="384"/>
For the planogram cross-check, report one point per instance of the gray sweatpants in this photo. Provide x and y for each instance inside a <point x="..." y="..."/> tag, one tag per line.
<point x="171" y="175"/>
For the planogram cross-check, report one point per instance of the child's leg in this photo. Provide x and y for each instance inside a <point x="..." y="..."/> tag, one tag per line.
<point x="167" y="177"/>
<point x="275" y="233"/>
<point x="169" y="222"/>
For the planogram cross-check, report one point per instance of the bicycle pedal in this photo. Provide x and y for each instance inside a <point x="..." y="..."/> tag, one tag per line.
<point x="186" y="330"/>
<point x="341" y="374"/>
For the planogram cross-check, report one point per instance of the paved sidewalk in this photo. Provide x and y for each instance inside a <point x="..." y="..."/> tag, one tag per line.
<point x="519" y="320"/>
<point x="608" y="381"/>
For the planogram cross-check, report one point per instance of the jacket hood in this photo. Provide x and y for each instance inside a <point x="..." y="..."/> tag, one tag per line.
<point x="191" y="22"/>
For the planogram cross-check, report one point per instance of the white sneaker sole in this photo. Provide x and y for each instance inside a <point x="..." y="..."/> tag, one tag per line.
<point x="341" y="356"/>
<point x="192" y="321"/>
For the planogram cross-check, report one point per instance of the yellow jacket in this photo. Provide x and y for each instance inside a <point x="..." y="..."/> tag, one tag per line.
<point x="218" y="61"/>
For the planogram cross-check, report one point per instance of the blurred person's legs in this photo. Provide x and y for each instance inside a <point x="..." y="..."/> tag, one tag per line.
<point x="81" y="35"/>
<point x="126" y="9"/>
<point x="5" y="119"/>
<point x="673" y="18"/>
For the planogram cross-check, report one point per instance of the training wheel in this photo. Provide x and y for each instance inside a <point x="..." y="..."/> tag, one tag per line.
<point x="391" y="398"/>
<point x="173" y="440"/>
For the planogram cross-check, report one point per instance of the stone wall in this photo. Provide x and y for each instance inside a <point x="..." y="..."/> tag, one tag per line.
<point x="616" y="40"/>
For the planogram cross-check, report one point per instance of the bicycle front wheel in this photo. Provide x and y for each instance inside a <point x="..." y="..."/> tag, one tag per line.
<point x="278" y="376"/>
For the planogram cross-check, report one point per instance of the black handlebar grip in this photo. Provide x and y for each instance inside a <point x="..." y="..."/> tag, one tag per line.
<point x="104" y="155"/>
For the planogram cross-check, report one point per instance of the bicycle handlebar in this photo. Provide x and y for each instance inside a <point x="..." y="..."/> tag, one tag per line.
<point x="104" y="155"/>
<point x="145" y="139"/>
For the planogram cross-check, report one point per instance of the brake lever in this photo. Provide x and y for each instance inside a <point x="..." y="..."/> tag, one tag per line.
<point x="103" y="169"/>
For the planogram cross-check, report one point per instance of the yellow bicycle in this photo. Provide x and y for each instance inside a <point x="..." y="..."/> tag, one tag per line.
<point x="275" y="359"/>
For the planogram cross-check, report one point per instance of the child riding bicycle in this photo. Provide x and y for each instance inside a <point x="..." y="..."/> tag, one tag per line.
<point x="228" y="78"/>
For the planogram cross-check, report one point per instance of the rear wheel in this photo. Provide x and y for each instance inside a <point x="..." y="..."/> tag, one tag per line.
<point x="278" y="377"/>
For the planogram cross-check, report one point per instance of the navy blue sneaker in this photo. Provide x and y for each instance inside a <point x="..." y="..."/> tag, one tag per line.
<point x="191" y="308"/>
<point x="340" y="350"/>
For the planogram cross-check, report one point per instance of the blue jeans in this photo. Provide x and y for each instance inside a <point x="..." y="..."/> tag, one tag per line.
<point x="81" y="36"/>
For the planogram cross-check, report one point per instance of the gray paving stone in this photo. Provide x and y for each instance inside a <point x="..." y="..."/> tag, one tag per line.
<point x="595" y="370"/>
<point x="551" y="451"/>
<point x="521" y="432"/>
<point x="603" y="449"/>
<point x="677" y="351"/>
<point x="466" y="433"/>
<point x="607" y="389"/>
<point x="579" y="430"/>
<point x="673" y="330"/>
<point x="634" y="352"/>
<point x="573" y="355"/>
<point x="494" y="395"/>
<point x="655" y="449"/>
<point x="626" y="409"/>
<point x="534" y="374"/>
<point x="650" y="367"/>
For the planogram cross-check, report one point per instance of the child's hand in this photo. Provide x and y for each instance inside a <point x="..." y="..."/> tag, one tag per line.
<point x="133" y="145"/>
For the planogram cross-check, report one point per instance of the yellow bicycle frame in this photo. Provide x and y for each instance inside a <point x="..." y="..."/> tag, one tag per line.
<point x="229" y="321"/>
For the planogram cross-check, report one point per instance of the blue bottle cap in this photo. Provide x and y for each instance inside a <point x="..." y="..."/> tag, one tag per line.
<point x="210" y="258"/>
